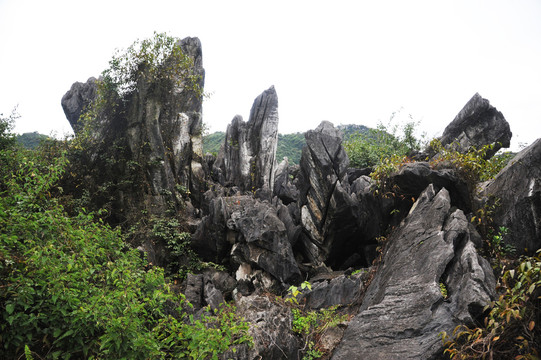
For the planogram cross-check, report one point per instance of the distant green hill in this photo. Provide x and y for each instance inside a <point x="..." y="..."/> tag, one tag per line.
<point x="31" y="140"/>
<point x="289" y="145"/>
<point x="213" y="142"/>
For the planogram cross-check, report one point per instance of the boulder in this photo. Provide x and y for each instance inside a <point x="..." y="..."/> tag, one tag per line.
<point x="77" y="99"/>
<point x="248" y="156"/>
<point x="403" y="310"/>
<point x="518" y="189"/>
<point x="339" y="290"/>
<point x="476" y="125"/>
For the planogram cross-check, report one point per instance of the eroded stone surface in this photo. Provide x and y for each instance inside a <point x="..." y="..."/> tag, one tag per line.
<point x="404" y="310"/>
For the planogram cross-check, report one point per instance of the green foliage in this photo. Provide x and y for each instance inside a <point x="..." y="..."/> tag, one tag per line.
<point x="471" y="166"/>
<point x="205" y="338"/>
<point x="311" y="325"/>
<point x="443" y="289"/>
<point x="7" y="139"/>
<point x="71" y="288"/>
<point x="182" y="259"/>
<point x="213" y="142"/>
<point x="368" y="149"/>
<point x="511" y="330"/>
<point x="294" y="291"/>
<point x="31" y="140"/>
<point x="157" y="61"/>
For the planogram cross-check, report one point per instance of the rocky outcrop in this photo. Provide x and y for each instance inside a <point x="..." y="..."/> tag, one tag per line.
<point x="403" y="309"/>
<point x="476" y="125"/>
<point x="270" y="327"/>
<point x="78" y="99"/>
<point x="517" y="188"/>
<point x="250" y="232"/>
<point x="329" y="215"/>
<point x="284" y="189"/>
<point x="248" y="156"/>
<point x="413" y="178"/>
<point x="164" y="134"/>
<point x="331" y="290"/>
<point x="157" y="128"/>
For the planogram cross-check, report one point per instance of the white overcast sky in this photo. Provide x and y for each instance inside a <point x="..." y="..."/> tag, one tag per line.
<point x="343" y="61"/>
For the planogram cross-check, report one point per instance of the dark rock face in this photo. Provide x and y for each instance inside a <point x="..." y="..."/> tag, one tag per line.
<point x="248" y="156"/>
<point x="250" y="232"/>
<point x="403" y="310"/>
<point x="77" y="99"/>
<point x="413" y="178"/>
<point x="477" y="124"/>
<point x="340" y="290"/>
<point x="518" y="187"/>
<point x="328" y="212"/>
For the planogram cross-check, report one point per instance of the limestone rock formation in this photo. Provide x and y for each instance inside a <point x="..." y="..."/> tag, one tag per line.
<point x="270" y="329"/>
<point x="158" y="129"/>
<point x="518" y="189"/>
<point x="403" y="309"/>
<point x="331" y="291"/>
<point x="77" y="99"/>
<point x="334" y="220"/>
<point x="164" y="133"/>
<point x="249" y="231"/>
<point x="248" y="156"/>
<point x="413" y="178"/>
<point x="284" y="189"/>
<point x="476" y="125"/>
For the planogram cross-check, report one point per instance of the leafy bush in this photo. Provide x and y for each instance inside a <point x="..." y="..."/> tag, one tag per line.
<point x="368" y="149"/>
<point x="311" y="325"/>
<point x="472" y="166"/>
<point x="71" y="288"/>
<point x="511" y="330"/>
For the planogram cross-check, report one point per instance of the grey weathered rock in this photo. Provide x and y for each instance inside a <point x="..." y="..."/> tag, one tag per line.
<point x="328" y="212"/>
<point x="340" y="290"/>
<point x="476" y="125"/>
<point x="413" y="178"/>
<point x="250" y="231"/>
<point x="518" y="188"/>
<point x="77" y="99"/>
<point x="283" y="187"/>
<point x="270" y="327"/>
<point x="248" y="156"/>
<point x="160" y="126"/>
<point x="403" y="310"/>
<point x="194" y="290"/>
<point x="164" y="133"/>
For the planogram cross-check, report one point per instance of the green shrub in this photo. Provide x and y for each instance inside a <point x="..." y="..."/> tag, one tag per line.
<point x="312" y="324"/>
<point x="511" y="329"/>
<point x="71" y="288"/>
<point x="368" y="149"/>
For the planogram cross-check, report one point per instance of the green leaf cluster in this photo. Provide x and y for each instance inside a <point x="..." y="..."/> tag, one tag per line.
<point x="368" y="149"/>
<point x="71" y="288"/>
<point x="511" y="329"/>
